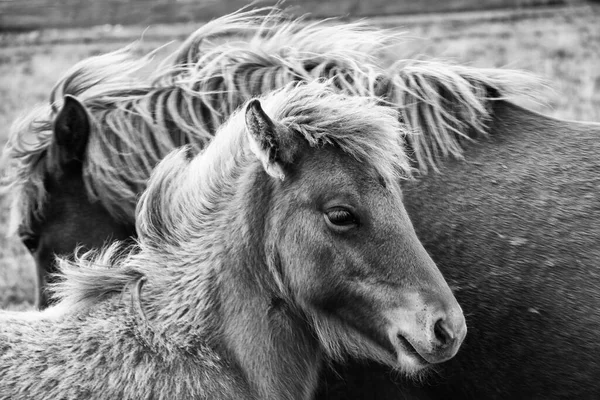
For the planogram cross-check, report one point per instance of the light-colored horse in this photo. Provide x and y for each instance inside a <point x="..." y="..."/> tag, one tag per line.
<point x="284" y="241"/>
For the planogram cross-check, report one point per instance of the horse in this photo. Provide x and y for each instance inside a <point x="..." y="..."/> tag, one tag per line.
<point x="283" y="243"/>
<point x="519" y="249"/>
<point x="84" y="159"/>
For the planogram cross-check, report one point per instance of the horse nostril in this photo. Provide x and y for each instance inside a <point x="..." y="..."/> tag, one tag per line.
<point x="443" y="334"/>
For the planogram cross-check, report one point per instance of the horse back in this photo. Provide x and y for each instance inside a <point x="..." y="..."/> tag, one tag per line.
<point x="515" y="229"/>
<point x="103" y="353"/>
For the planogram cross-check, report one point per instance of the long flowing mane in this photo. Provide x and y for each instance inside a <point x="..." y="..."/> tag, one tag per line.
<point x="138" y="120"/>
<point x="441" y="101"/>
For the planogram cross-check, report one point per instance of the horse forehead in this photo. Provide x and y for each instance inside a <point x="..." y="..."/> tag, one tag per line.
<point x="339" y="175"/>
<point x="333" y="166"/>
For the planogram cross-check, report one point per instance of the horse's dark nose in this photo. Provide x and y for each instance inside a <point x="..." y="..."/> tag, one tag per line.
<point x="443" y="334"/>
<point x="448" y="334"/>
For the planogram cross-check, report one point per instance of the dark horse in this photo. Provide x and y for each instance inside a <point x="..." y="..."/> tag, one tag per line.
<point x="514" y="228"/>
<point x="284" y="242"/>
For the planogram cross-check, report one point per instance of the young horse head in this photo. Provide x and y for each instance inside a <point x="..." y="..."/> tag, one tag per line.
<point x="284" y="241"/>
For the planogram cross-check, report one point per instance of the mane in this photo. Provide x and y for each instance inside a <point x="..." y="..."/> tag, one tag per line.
<point x="265" y="52"/>
<point x="94" y="276"/>
<point x="443" y="102"/>
<point x="29" y="152"/>
<point x="277" y="38"/>
<point x="138" y="120"/>
<point x="135" y="123"/>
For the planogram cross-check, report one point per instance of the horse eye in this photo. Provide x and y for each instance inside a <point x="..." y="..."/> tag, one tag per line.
<point x="340" y="217"/>
<point x="31" y="242"/>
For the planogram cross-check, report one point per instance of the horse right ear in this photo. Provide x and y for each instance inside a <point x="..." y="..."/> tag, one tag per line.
<point x="264" y="140"/>
<point x="72" y="129"/>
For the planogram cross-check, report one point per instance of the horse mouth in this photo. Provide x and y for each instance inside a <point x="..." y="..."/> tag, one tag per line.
<point x="409" y="350"/>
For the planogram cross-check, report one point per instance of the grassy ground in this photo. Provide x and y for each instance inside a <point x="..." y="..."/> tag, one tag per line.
<point x="563" y="48"/>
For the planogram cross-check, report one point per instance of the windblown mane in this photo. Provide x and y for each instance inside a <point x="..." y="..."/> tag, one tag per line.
<point x="30" y="154"/>
<point x="94" y="276"/>
<point x="441" y="101"/>
<point x="137" y="121"/>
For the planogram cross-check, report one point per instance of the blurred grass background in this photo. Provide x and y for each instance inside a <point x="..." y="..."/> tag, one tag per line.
<point x="18" y="14"/>
<point x="560" y="44"/>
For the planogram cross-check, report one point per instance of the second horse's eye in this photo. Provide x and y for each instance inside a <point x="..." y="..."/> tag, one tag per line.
<point x="31" y="242"/>
<point x="340" y="217"/>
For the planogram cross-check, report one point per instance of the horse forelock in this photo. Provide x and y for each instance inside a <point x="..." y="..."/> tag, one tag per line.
<point x="358" y="125"/>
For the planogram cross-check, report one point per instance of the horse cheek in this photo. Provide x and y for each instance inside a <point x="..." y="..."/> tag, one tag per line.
<point x="307" y="257"/>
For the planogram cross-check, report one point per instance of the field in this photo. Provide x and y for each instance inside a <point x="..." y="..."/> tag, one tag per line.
<point x="560" y="45"/>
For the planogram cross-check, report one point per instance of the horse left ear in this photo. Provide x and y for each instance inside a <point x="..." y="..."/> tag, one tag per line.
<point x="264" y="141"/>
<point x="72" y="129"/>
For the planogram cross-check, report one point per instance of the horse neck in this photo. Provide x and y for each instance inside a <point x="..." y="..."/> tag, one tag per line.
<point x="229" y="299"/>
<point x="266" y="335"/>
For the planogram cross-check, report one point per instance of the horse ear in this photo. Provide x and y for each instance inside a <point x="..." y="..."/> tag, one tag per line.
<point x="264" y="142"/>
<point x="72" y="129"/>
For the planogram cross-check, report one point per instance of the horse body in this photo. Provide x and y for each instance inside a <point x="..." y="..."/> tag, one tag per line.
<point x="515" y="229"/>
<point x="105" y="352"/>
<point x="284" y="242"/>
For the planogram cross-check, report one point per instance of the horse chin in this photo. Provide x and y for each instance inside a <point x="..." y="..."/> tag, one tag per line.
<point x="408" y="358"/>
<point x="400" y="356"/>
<point x="340" y="337"/>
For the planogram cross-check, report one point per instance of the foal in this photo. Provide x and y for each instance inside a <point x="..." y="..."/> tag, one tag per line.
<point x="284" y="242"/>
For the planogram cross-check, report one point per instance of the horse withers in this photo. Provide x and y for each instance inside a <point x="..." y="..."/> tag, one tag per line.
<point x="284" y="242"/>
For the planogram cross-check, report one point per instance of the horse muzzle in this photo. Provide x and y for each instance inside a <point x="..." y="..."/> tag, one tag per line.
<point x="422" y="335"/>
